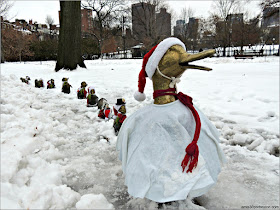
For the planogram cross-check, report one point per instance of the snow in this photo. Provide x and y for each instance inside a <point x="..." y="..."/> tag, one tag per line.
<point x="55" y="152"/>
<point x="91" y="201"/>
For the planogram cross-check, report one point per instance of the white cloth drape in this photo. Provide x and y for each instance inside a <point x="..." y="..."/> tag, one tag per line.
<point x="151" y="146"/>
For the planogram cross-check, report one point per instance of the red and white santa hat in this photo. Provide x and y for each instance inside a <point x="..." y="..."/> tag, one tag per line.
<point x="91" y="88"/>
<point x="151" y="61"/>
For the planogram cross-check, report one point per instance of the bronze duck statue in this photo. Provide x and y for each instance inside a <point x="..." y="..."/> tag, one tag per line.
<point x="152" y="140"/>
<point x="173" y="64"/>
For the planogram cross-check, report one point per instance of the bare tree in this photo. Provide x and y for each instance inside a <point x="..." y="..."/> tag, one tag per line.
<point x="270" y="14"/>
<point x="105" y="11"/>
<point x="206" y="29"/>
<point x="5" y="6"/>
<point x="49" y="20"/>
<point x="122" y="23"/>
<point x="157" y="3"/>
<point x="222" y="9"/>
<point x="251" y="32"/>
<point x="186" y="14"/>
<point x="69" y="47"/>
<point x="144" y="24"/>
<point x="270" y="3"/>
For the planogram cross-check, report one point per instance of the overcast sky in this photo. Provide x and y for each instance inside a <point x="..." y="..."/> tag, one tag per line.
<point x="38" y="10"/>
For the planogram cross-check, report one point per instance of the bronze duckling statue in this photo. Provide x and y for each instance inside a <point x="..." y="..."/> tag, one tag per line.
<point x="159" y="140"/>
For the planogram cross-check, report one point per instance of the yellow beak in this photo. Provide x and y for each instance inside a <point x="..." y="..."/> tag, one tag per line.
<point x="186" y="58"/>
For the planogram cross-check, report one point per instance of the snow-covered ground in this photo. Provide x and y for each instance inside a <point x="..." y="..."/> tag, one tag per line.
<point x="54" y="152"/>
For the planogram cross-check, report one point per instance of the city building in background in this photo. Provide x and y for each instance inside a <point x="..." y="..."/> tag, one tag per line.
<point x="163" y="23"/>
<point x="180" y="28"/>
<point x="143" y="21"/>
<point x="86" y="21"/>
<point x="149" y="25"/>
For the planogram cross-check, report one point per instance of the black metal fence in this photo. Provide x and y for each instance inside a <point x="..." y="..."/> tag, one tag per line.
<point x="259" y="50"/>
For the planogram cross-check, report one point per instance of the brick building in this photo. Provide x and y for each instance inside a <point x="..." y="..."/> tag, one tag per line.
<point x="21" y="23"/>
<point x="86" y="21"/>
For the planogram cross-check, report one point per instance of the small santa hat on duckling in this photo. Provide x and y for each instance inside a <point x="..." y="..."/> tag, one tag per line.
<point x="150" y="63"/>
<point x="91" y="88"/>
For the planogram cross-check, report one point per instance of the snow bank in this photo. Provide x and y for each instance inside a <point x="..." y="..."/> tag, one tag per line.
<point x="249" y="179"/>
<point x="29" y="180"/>
<point x="91" y="201"/>
<point x="241" y="98"/>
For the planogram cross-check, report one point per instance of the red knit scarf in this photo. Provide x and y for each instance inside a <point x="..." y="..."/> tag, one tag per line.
<point x="192" y="151"/>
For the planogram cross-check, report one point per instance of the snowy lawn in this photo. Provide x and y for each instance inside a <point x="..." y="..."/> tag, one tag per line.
<point x="54" y="152"/>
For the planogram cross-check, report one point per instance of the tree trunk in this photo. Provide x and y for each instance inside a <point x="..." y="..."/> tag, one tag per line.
<point x="242" y="36"/>
<point x="69" y="47"/>
<point x="1" y="50"/>
<point x="101" y="46"/>
<point x="2" y="55"/>
<point x="101" y="38"/>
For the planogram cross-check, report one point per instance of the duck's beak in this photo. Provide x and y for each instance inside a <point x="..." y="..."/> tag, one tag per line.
<point x="186" y="58"/>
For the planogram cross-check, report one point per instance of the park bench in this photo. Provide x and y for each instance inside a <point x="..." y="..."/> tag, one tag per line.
<point x="248" y="55"/>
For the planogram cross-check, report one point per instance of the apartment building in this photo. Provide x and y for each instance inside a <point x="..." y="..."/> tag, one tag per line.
<point x="163" y="23"/>
<point x="179" y="28"/>
<point x="86" y="21"/>
<point x="143" y="20"/>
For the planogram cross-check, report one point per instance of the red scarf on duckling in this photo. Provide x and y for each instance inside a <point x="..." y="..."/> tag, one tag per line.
<point x="192" y="151"/>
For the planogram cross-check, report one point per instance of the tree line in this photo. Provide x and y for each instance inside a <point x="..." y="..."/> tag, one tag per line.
<point x="113" y="17"/>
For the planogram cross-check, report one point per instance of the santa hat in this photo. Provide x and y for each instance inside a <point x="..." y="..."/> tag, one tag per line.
<point x="150" y="63"/>
<point x="90" y="88"/>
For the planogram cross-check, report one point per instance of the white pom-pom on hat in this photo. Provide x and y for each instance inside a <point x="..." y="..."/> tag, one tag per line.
<point x="139" y="96"/>
<point x="91" y="88"/>
<point x="151" y="61"/>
